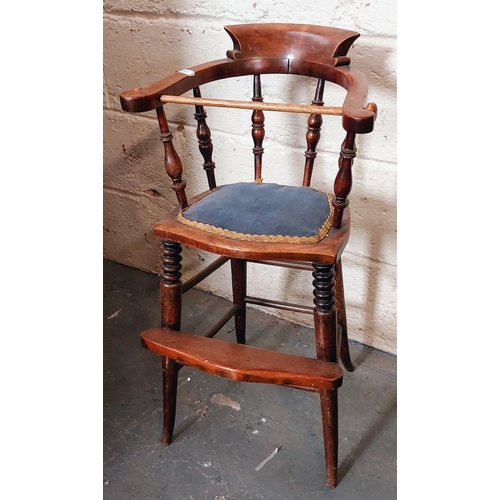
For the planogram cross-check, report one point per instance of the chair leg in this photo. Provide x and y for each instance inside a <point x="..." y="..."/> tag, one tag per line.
<point x="325" y="320"/>
<point x="170" y="371"/>
<point x="344" y="353"/>
<point x="239" y="279"/>
<point x="171" y="305"/>
<point x="325" y="314"/>
<point x="329" y="414"/>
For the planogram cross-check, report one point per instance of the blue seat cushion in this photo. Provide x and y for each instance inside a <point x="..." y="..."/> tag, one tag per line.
<point x="263" y="212"/>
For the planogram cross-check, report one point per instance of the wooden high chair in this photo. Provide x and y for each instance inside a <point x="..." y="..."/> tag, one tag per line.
<point x="291" y="226"/>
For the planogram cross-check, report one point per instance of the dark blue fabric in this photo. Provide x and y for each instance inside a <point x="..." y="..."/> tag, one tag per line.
<point x="263" y="209"/>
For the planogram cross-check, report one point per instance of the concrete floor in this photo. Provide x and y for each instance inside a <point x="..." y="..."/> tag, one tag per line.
<point x="225" y="429"/>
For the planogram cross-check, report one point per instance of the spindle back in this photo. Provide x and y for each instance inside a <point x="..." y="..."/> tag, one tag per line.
<point x="317" y="52"/>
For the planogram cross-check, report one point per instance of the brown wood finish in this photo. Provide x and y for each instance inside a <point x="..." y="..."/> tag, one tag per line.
<point x="313" y="133"/>
<point x="258" y="131"/>
<point x="277" y="304"/>
<point x="260" y="49"/>
<point x="170" y="376"/>
<point x="329" y="415"/>
<point x="173" y="164"/>
<point x="342" y="341"/>
<point x="324" y="312"/>
<point x="343" y="182"/>
<point x="170" y="285"/>
<point x="292" y="41"/>
<point x="216" y="328"/>
<point x="325" y="327"/>
<point x="304" y="266"/>
<point x="239" y="281"/>
<point x="204" y="273"/>
<point x="241" y="362"/>
<point x="204" y="140"/>
<point x="171" y="305"/>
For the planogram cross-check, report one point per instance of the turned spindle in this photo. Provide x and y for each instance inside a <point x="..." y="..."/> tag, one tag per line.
<point x="173" y="164"/>
<point x="343" y="181"/>
<point x="204" y="141"/>
<point x="313" y="133"/>
<point x="258" y="131"/>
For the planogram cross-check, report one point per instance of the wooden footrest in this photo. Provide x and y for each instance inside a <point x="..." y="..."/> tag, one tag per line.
<point x="242" y="362"/>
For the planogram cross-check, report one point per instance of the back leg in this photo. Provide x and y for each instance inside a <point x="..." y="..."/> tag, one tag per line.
<point x="239" y="279"/>
<point x="344" y="354"/>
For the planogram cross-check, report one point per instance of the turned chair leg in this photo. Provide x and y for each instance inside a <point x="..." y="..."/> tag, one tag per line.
<point x="325" y="321"/>
<point x="239" y="279"/>
<point x="343" y="347"/>
<point x="171" y="304"/>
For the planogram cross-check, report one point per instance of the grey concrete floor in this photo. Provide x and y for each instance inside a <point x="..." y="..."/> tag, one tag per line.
<point x="225" y="429"/>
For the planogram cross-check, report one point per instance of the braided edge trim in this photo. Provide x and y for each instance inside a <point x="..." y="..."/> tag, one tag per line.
<point x="263" y="238"/>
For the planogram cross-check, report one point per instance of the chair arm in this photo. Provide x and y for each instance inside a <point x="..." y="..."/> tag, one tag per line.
<point x="356" y="116"/>
<point x="146" y="99"/>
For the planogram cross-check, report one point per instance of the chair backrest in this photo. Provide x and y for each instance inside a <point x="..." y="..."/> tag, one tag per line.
<point x="313" y="51"/>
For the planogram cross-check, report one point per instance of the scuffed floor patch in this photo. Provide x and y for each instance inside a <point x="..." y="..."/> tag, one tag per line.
<point x="220" y="399"/>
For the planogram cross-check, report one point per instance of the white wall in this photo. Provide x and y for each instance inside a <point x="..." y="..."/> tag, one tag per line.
<point x="147" y="40"/>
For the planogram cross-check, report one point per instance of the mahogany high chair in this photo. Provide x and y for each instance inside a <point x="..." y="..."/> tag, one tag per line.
<point x="292" y="226"/>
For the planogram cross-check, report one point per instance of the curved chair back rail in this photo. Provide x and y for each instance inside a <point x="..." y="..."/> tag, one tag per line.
<point x="356" y="116"/>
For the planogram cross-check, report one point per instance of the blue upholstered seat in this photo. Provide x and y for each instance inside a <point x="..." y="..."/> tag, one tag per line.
<point x="263" y="212"/>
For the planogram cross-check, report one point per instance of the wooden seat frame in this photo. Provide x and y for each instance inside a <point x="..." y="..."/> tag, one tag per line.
<point x="259" y="49"/>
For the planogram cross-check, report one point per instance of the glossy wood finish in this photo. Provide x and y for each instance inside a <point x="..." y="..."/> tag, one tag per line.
<point x="343" y="181"/>
<point x="258" y="131"/>
<point x="292" y="41"/>
<point x="343" y="340"/>
<point x="260" y="49"/>
<point x="173" y="164"/>
<point x="241" y="362"/>
<point x="325" y="327"/>
<point x="313" y="133"/>
<point x="204" y="140"/>
<point x="356" y="117"/>
<point x="274" y="48"/>
<point x="171" y="305"/>
<point x="325" y="321"/>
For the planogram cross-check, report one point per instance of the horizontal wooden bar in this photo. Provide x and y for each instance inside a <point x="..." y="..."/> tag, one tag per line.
<point x="242" y="362"/>
<point x="264" y="106"/>
<point x="303" y="266"/>
<point x="203" y="274"/>
<point x="279" y="305"/>
<point x="222" y="321"/>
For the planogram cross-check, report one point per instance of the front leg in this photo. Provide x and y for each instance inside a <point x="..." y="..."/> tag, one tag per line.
<point x="325" y="322"/>
<point x="171" y="305"/>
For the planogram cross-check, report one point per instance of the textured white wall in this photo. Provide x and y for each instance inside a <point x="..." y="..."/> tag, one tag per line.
<point x="147" y="40"/>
